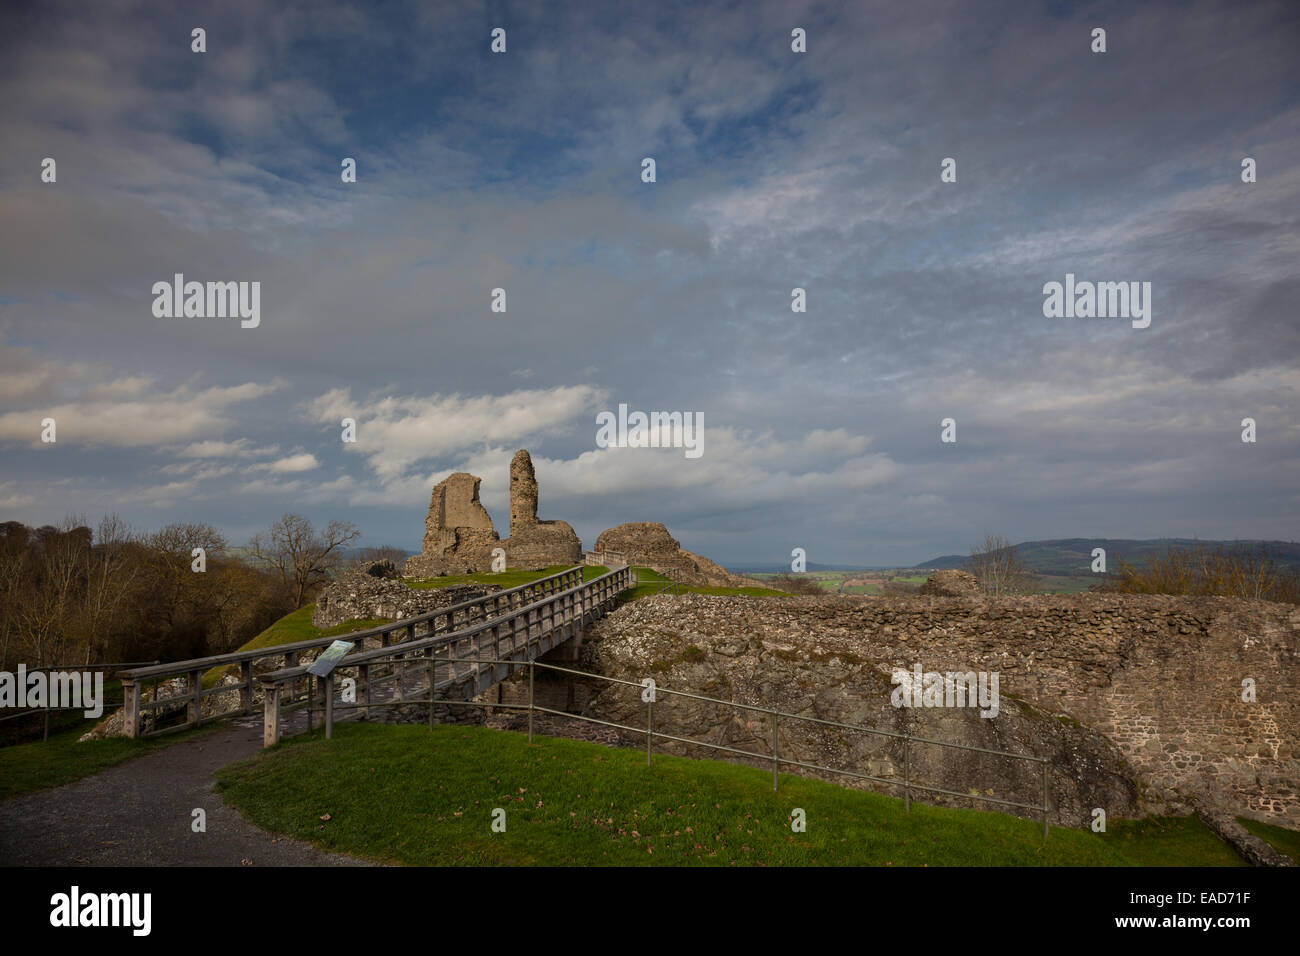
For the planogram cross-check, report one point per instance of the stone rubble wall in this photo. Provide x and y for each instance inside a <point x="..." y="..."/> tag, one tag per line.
<point x="1159" y="678"/>
<point x="355" y="595"/>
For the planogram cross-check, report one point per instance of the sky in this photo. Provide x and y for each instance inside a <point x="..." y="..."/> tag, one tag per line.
<point x="774" y="170"/>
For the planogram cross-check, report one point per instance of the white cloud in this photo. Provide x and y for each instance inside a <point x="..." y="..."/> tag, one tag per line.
<point x="394" y="433"/>
<point x="294" y="463"/>
<point x="123" y="411"/>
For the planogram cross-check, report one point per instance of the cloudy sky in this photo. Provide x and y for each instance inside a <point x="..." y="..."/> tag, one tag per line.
<point x="775" y="170"/>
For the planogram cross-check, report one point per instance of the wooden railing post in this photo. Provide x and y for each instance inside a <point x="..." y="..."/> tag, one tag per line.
<point x="246" y="686"/>
<point x="363" y="691"/>
<point x="195" y="705"/>
<point x="131" y="709"/>
<point x="270" y="713"/>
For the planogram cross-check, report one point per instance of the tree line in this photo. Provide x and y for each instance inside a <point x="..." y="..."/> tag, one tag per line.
<point x="72" y="595"/>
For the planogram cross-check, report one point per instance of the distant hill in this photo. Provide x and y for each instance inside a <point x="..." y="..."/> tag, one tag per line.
<point x="785" y="568"/>
<point x="1074" y="555"/>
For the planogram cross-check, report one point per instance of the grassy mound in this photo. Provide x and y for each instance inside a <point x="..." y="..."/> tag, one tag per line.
<point x="651" y="582"/>
<point x="294" y="626"/>
<point x="410" y="795"/>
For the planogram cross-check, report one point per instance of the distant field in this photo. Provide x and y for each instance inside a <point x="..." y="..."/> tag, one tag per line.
<point x="874" y="582"/>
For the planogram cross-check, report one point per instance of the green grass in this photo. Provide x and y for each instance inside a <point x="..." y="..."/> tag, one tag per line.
<point x="409" y="795"/>
<point x="1170" y="841"/>
<point x="651" y="582"/>
<point x="27" y="768"/>
<point x="1280" y="838"/>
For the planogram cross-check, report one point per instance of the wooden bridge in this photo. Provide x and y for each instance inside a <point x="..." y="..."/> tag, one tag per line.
<point x="518" y="624"/>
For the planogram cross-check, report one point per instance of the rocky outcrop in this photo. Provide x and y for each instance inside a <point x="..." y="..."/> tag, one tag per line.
<point x="458" y="532"/>
<point x="1129" y="695"/>
<point x="357" y="595"/>
<point x="952" y="584"/>
<point x="648" y="543"/>
<point x="535" y="544"/>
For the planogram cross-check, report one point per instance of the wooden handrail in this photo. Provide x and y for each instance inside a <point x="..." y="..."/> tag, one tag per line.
<point x="574" y="603"/>
<point x="437" y="640"/>
<point x="194" y="669"/>
<point x="278" y="650"/>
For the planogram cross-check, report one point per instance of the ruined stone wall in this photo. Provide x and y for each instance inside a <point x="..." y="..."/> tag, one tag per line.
<point x="649" y="544"/>
<point x="1160" y="677"/>
<point x="458" y="532"/>
<point x="535" y="544"/>
<point x="354" y="595"/>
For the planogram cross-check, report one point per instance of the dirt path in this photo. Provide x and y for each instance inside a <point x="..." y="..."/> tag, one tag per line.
<point x="140" y="812"/>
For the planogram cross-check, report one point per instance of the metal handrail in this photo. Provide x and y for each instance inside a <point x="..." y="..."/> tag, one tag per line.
<point x="532" y="707"/>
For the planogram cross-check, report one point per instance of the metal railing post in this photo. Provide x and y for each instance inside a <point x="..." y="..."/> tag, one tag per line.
<point x="1046" y="805"/>
<point x="775" y="758"/>
<point x="907" y="773"/>
<point x="531" y="670"/>
<point x="433" y="667"/>
<point x="329" y="706"/>
<point x="649" y="728"/>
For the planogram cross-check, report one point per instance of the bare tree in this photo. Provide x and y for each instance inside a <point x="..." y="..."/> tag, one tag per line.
<point x="999" y="568"/>
<point x="110" y="574"/>
<point x="302" y="556"/>
<point x="385" y="552"/>
<point x="60" y="571"/>
<point x="181" y="593"/>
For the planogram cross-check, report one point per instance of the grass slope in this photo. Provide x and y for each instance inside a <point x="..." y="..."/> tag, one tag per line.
<point x="294" y="626"/>
<point x="409" y="795"/>
<point x="1283" y="840"/>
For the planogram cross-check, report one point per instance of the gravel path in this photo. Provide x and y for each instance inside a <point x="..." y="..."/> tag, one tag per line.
<point x="139" y="814"/>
